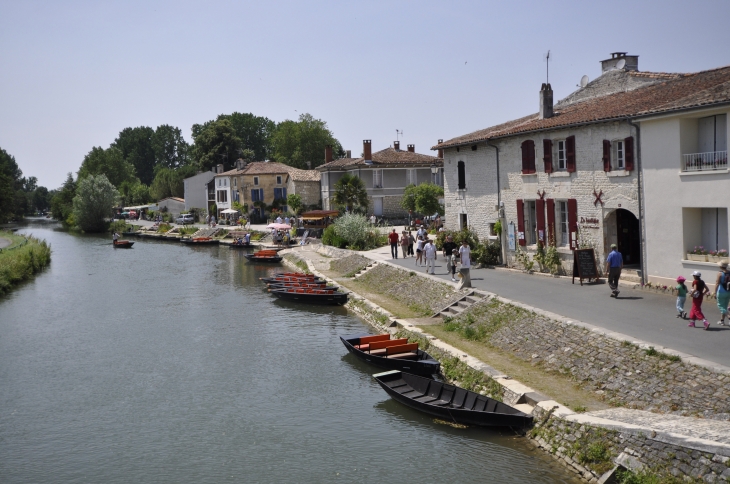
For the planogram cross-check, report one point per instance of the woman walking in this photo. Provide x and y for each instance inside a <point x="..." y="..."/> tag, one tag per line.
<point x="411" y="241"/>
<point x="404" y="244"/>
<point x="699" y="289"/>
<point x="722" y="291"/>
<point x="419" y="251"/>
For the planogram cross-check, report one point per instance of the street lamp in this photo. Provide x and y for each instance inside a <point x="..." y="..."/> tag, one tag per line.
<point x="434" y="171"/>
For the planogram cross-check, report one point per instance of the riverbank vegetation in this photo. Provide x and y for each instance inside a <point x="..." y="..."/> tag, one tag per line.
<point x="353" y="231"/>
<point x="19" y="195"/>
<point x="18" y="262"/>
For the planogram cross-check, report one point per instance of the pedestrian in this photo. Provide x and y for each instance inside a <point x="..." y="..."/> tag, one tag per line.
<point x="393" y="239"/>
<point x="422" y="231"/>
<point x="115" y="237"/>
<point x="722" y="292"/>
<point x="372" y="219"/>
<point x="212" y="220"/>
<point x="614" y="264"/>
<point x="449" y="246"/>
<point x="431" y="255"/>
<point x="207" y="220"/>
<point x="681" y="297"/>
<point x="419" y="251"/>
<point x="465" y="257"/>
<point x="411" y="241"/>
<point x="286" y="220"/>
<point x="453" y="258"/>
<point x="404" y="244"/>
<point x="278" y="219"/>
<point x="699" y="289"/>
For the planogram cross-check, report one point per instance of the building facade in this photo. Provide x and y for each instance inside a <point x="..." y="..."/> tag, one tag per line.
<point x="196" y="190"/>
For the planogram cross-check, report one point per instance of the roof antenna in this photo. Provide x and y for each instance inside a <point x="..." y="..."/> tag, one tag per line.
<point x="547" y="67"/>
<point x="397" y="133"/>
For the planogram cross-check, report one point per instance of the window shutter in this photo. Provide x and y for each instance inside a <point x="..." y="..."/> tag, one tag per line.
<point x="254" y="195"/>
<point x="629" y="153"/>
<point x="547" y="148"/>
<point x="521" y="223"/>
<point x="606" y="155"/>
<point x="461" y="175"/>
<point x="540" y="215"/>
<point x="283" y="193"/>
<point x="570" y="153"/>
<point x="550" y="205"/>
<point x="528" y="157"/>
<point x="573" y="222"/>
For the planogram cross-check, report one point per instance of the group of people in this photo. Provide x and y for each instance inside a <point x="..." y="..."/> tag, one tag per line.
<point x="698" y="292"/>
<point x="210" y="220"/>
<point x="426" y="252"/>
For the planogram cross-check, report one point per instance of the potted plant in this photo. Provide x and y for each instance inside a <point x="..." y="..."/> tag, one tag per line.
<point x="698" y="254"/>
<point x="722" y="255"/>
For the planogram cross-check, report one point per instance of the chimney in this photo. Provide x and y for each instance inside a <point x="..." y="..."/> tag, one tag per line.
<point x="546" y="101"/>
<point x="240" y="164"/>
<point x="441" y="150"/>
<point x="219" y="168"/>
<point x="348" y="154"/>
<point x="412" y="148"/>
<point x="328" y="153"/>
<point x="309" y="165"/>
<point x="396" y="145"/>
<point x="630" y="62"/>
<point x="367" y="152"/>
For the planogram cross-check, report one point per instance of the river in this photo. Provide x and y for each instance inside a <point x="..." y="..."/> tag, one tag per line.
<point x="167" y="363"/>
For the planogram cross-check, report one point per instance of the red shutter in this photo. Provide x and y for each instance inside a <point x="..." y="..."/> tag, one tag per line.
<point x="570" y="153"/>
<point x="528" y="157"/>
<point x="540" y="215"/>
<point x="521" y="223"/>
<point x="606" y="155"/>
<point x="550" y="204"/>
<point x="547" y="148"/>
<point x="629" y="153"/>
<point x="573" y="222"/>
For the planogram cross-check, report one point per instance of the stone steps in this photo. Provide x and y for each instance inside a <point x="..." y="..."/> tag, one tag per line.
<point x="365" y="269"/>
<point x="460" y="305"/>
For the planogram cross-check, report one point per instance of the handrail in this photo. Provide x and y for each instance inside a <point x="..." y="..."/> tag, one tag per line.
<point x="710" y="161"/>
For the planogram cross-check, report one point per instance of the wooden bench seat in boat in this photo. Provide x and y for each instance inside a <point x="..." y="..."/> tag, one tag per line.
<point x="404" y="352"/>
<point x="378" y="347"/>
<point x="366" y="340"/>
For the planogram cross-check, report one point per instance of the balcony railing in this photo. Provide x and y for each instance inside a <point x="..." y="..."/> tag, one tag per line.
<point x="714" y="160"/>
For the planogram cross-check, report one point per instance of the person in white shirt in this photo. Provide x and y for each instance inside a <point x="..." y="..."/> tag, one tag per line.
<point x="286" y="220"/>
<point x="278" y="219"/>
<point x="422" y="232"/>
<point x="419" y="251"/>
<point x="430" y="250"/>
<point x="465" y="256"/>
<point x="372" y="219"/>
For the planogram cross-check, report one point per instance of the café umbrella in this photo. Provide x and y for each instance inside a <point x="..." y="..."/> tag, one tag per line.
<point x="278" y="226"/>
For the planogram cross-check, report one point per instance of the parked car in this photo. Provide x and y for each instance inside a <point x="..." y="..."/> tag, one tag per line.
<point x="185" y="218"/>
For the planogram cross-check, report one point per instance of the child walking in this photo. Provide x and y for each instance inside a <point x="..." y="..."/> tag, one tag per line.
<point x="452" y="262"/>
<point x="681" y="297"/>
<point x="699" y="289"/>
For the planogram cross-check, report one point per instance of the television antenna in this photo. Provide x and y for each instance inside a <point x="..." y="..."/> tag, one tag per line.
<point x="398" y="132"/>
<point x="547" y="67"/>
<point x="620" y="64"/>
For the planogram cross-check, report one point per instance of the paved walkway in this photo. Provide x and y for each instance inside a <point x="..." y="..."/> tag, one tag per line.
<point x="640" y="314"/>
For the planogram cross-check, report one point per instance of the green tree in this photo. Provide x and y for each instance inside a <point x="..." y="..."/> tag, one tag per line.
<point x="95" y="197"/>
<point x="350" y="193"/>
<point x="423" y="198"/>
<point x="134" y="193"/>
<point x="253" y="131"/>
<point x="12" y="197"/>
<point x="62" y="201"/>
<point x="294" y="202"/>
<point x="215" y="143"/>
<point x="108" y="162"/>
<point x="137" y="148"/>
<point x="169" y="182"/>
<point x="41" y="200"/>
<point x="297" y="142"/>
<point x="170" y="148"/>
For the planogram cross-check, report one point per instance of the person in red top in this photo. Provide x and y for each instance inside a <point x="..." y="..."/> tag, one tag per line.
<point x="699" y="290"/>
<point x="393" y="239"/>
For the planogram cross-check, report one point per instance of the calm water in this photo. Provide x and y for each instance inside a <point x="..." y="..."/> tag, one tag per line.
<point x="166" y="363"/>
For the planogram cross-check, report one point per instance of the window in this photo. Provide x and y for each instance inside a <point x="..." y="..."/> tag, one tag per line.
<point x="530" y="222"/>
<point x="235" y="182"/>
<point x="278" y="179"/>
<point x="257" y="195"/>
<point x="411" y="177"/>
<point x="563" y="231"/>
<point x="255" y="180"/>
<point x="706" y="227"/>
<point x="279" y="193"/>
<point x="222" y="196"/>
<point x="236" y="197"/>
<point x="225" y="182"/>
<point x="220" y="182"/>
<point x="377" y="178"/>
<point x="712" y="134"/>
<point x="461" y="175"/>
<point x="528" y="157"/>
<point x="618" y="154"/>
<point x="560" y="157"/>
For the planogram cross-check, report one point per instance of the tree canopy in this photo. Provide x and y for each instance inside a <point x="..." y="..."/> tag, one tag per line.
<point x="423" y="198"/>
<point x="254" y="132"/>
<point x="350" y="193"/>
<point x="135" y="145"/>
<point x="170" y="148"/>
<point x="297" y="142"/>
<point x="18" y="195"/>
<point x="62" y="201"/>
<point x="95" y="197"/>
<point x="108" y="162"/>
<point x="215" y="143"/>
<point x="169" y="182"/>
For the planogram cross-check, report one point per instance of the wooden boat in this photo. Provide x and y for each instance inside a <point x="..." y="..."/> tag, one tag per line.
<point x="122" y="244"/>
<point x="269" y="280"/>
<point x="311" y="284"/>
<point x="272" y="287"/>
<point x="199" y="240"/>
<point x="449" y="402"/>
<point x="301" y="275"/>
<point x="393" y="354"/>
<point x="263" y="256"/>
<point x="236" y="245"/>
<point x="311" y="296"/>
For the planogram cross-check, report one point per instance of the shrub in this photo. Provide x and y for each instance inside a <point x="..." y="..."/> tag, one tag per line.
<point x="21" y="262"/>
<point x="353" y="228"/>
<point x="330" y="237"/>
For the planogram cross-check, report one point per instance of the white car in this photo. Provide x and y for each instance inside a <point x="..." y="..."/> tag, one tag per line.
<point x="185" y="219"/>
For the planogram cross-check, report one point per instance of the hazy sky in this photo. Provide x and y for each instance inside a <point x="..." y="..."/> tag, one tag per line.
<point x="75" y="73"/>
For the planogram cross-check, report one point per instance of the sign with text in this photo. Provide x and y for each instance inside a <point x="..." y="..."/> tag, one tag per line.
<point x="584" y="265"/>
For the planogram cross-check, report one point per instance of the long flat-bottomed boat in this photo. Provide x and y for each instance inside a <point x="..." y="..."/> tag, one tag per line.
<point x="393" y="354"/>
<point x="449" y="402"/>
<point x="122" y="244"/>
<point x="199" y="240"/>
<point x="269" y="280"/>
<point x="311" y="296"/>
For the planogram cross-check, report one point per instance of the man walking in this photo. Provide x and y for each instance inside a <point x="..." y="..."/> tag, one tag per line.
<point x="448" y="250"/>
<point x="393" y="239"/>
<point x="430" y="251"/>
<point x="614" y="264"/>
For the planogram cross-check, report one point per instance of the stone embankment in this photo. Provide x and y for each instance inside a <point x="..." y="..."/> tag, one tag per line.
<point x="669" y="415"/>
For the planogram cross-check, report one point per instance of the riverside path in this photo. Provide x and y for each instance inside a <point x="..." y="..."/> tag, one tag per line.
<point x="640" y="314"/>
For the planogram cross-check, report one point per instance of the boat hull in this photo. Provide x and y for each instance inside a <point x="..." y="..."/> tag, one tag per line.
<point x="333" y="299"/>
<point x="240" y="246"/>
<point x="123" y="244"/>
<point x="426" y="365"/>
<point x="253" y="258"/>
<point x="199" y="241"/>
<point x="449" y="402"/>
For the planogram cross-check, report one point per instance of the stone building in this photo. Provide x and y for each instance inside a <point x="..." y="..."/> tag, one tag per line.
<point x="386" y="174"/>
<point x="570" y="173"/>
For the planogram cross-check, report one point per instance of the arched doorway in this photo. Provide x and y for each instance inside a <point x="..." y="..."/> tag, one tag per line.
<point x="628" y="237"/>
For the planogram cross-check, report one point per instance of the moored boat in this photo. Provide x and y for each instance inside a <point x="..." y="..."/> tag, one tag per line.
<point x="393" y="354"/>
<point x="122" y="244"/>
<point x="263" y="256"/>
<point x="199" y="240"/>
<point x="311" y="296"/>
<point x="324" y="286"/>
<point x="240" y="246"/>
<point x="292" y="279"/>
<point x="449" y="402"/>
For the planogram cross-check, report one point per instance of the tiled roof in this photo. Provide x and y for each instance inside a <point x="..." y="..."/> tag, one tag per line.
<point x="668" y="92"/>
<point x="274" y="168"/>
<point x="388" y="156"/>
<point x="304" y="175"/>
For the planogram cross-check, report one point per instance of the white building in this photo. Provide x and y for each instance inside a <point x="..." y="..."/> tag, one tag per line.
<point x="196" y="190"/>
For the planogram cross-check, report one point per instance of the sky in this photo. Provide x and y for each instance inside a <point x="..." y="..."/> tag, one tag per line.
<point x="73" y="74"/>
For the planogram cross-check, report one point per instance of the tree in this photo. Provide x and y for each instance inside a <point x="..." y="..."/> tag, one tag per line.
<point x="294" y="202"/>
<point x="215" y="143"/>
<point x="253" y="131"/>
<point x="62" y="201"/>
<point x="170" y="148"/>
<point x="11" y="185"/>
<point x="423" y="198"/>
<point x="108" y="162"/>
<point x="350" y="193"/>
<point x="137" y="149"/>
<point x="297" y="142"/>
<point x="134" y="193"/>
<point x="95" y="197"/>
<point x="169" y="182"/>
<point x="40" y="199"/>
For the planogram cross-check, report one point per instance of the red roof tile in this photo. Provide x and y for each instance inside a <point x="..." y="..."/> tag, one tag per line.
<point x="388" y="156"/>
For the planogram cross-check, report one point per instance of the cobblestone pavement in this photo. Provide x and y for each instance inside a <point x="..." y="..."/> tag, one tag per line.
<point x="714" y="430"/>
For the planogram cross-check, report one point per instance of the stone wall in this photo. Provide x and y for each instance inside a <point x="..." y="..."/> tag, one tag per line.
<point x="310" y="191"/>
